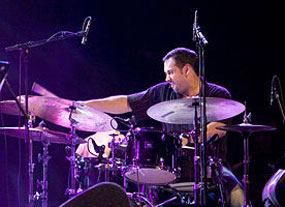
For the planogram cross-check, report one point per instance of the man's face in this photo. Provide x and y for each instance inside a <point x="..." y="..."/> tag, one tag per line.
<point x="176" y="76"/>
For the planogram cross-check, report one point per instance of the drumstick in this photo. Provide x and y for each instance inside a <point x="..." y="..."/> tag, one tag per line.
<point x="37" y="88"/>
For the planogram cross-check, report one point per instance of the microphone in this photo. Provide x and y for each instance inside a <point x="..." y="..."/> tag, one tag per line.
<point x="86" y="30"/>
<point x="272" y="90"/>
<point x="98" y="149"/>
<point x="195" y="24"/>
<point x="128" y="122"/>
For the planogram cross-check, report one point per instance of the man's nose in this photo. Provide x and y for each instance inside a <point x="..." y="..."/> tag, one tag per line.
<point x="167" y="78"/>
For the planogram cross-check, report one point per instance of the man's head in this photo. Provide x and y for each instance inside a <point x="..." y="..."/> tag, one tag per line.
<point x="180" y="70"/>
<point x="182" y="56"/>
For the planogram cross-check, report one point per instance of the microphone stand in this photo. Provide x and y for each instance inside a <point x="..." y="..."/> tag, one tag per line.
<point x="28" y="123"/>
<point x="201" y="43"/>
<point x="277" y="97"/>
<point x="24" y="49"/>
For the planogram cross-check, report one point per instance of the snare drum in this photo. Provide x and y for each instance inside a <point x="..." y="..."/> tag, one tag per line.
<point x="150" y="157"/>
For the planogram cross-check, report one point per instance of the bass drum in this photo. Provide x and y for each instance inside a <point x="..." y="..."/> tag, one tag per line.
<point x="150" y="157"/>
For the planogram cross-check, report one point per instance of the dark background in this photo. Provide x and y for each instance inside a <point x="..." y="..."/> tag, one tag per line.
<point x="123" y="55"/>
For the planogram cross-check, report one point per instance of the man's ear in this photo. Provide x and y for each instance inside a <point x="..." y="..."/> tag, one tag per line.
<point x="187" y="69"/>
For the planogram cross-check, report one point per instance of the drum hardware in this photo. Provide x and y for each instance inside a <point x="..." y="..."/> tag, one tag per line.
<point x="113" y="145"/>
<point x="246" y="129"/>
<point x="195" y="133"/>
<point x="201" y="43"/>
<point x="139" y="199"/>
<point x="44" y="159"/>
<point x="46" y="137"/>
<point x="216" y="166"/>
<point x="73" y="137"/>
<point x="135" y="159"/>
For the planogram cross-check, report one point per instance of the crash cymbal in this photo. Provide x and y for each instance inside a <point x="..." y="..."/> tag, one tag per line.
<point x="181" y="111"/>
<point x="57" y="111"/>
<point x="39" y="134"/>
<point x="10" y="106"/>
<point x="246" y="127"/>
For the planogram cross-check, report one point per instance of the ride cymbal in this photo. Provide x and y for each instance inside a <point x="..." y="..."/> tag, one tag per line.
<point x="181" y="111"/>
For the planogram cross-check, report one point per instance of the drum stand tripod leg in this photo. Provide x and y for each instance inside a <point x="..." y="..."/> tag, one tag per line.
<point x="44" y="158"/>
<point x="218" y="173"/>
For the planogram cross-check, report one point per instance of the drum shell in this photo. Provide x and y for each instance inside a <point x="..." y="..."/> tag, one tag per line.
<point x="89" y="171"/>
<point x="151" y="157"/>
<point x="152" y="148"/>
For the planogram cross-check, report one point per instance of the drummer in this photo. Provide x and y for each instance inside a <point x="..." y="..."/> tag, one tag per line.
<point x="182" y="81"/>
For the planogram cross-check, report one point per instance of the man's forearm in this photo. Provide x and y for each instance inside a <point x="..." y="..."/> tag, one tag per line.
<point x="113" y="104"/>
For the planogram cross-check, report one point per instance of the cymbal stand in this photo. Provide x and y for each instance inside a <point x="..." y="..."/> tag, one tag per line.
<point x="72" y="190"/>
<point x="44" y="158"/>
<point x="246" y="161"/>
<point x="195" y="133"/>
<point x="113" y="145"/>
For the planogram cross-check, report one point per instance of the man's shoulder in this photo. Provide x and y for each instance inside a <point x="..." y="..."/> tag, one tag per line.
<point x="215" y="90"/>
<point x="161" y="85"/>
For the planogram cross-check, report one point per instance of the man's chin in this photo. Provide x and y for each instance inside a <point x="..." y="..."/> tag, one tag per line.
<point x="174" y="88"/>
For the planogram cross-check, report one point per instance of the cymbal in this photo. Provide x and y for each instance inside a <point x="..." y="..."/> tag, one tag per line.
<point x="40" y="134"/>
<point x="246" y="127"/>
<point x="10" y="106"/>
<point x="181" y="111"/>
<point x="57" y="111"/>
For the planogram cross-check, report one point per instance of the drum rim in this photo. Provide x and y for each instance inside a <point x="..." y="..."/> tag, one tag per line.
<point x="148" y="129"/>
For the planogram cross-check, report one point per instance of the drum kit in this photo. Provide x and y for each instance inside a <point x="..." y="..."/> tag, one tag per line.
<point x="148" y="157"/>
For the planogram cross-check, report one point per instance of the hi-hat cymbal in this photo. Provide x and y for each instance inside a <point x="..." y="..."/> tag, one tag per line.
<point x="40" y="134"/>
<point x="247" y="127"/>
<point x="181" y="111"/>
<point x="57" y="111"/>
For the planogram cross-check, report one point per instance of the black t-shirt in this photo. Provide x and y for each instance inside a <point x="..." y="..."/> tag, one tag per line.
<point x="140" y="102"/>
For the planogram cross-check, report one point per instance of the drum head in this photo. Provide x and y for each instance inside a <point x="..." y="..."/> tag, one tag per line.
<point x="150" y="176"/>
